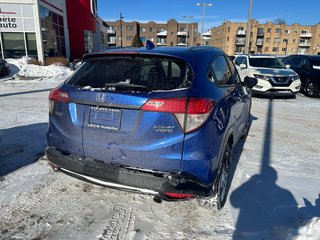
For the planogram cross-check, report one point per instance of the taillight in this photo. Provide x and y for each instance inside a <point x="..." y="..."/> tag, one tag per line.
<point x="58" y="95"/>
<point x="191" y="114"/>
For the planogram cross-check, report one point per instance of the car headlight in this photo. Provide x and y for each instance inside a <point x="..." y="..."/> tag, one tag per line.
<point x="295" y="77"/>
<point x="262" y="77"/>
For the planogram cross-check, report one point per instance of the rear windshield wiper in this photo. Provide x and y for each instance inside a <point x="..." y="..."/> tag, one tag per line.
<point x="126" y="85"/>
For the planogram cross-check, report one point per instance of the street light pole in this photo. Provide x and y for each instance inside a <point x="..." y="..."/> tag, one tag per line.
<point x="187" y="17"/>
<point x="204" y="5"/>
<point x="121" y="29"/>
<point x="246" y="47"/>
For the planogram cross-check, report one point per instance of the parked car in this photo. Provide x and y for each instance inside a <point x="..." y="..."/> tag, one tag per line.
<point x="159" y="121"/>
<point x="4" y="68"/>
<point x="272" y="75"/>
<point x="308" y="68"/>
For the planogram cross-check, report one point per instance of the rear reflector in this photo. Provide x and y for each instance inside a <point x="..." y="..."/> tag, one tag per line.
<point x="58" y="95"/>
<point x="178" y="195"/>
<point x="191" y="114"/>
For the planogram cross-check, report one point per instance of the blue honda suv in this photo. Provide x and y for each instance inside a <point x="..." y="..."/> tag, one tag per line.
<point x="160" y="121"/>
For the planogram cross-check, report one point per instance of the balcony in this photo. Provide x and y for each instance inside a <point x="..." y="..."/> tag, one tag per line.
<point x="161" y="44"/>
<point x="306" y="35"/>
<point x="182" y="44"/>
<point x="112" y="43"/>
<point x="241" y="32"/>
<point x="162" y="34"/>
<point x="304" y="44"/>
<point x="111" y="31"/>
<point x="182" y="33"/>
<point x="206" y="38"/>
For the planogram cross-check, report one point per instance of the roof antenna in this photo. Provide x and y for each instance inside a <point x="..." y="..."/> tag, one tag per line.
<point x="149" y="45"/>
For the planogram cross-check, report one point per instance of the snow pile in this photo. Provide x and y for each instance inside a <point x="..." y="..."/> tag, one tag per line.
<point x="21" y="68"/>
<point x="311" y="231"/>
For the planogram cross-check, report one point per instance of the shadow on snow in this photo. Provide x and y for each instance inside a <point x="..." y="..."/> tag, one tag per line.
<point x="264" y="207"/>
<point x="20" y="146"/>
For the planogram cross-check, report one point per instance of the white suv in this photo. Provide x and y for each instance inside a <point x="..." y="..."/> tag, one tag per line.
<point x="272" y="75"/>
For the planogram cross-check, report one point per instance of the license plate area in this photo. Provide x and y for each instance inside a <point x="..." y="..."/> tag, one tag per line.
<point x="106" y="118"/>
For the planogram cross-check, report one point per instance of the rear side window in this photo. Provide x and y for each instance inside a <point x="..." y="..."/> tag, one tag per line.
<point x="150" y="73"/>
<point x="220" y="71"/>
<point x="241" y="60"/>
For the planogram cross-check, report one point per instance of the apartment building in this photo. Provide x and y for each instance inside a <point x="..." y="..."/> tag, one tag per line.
<point x="171" y="33"/>
<point x="268" y="38"/>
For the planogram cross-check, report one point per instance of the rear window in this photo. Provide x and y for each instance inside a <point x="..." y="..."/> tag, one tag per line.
<point x="132" y="72"/>
<point x="266" y="62"/>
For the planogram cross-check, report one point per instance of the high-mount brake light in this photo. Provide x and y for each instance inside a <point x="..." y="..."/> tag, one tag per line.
<point x="58" y="95"/>
<point x="190" y="113"/>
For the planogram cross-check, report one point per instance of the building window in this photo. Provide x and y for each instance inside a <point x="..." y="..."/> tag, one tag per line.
<point x="275" y="49"/>
<point x="129" y="28"/>
<point x="228" y="29"/>
<point x="294" y="40"/>
<point x="119" y="39"/>
<point x="88" y="41"/>
<point x="285" y="40"/>
<point x="277" y="40"/>
<point x="266" y="49"/>
<point x="151" y="39"/>
<point x="228" y="39"/>
<point x="112" y="40"/>
<point x="160" y="29"/>
<point x="31" y="45"/>
<point x="183" y="29"/>
<point x="129" y="38"/>
<point x="111" y="27"/>
<point x="287" y="31"/>
<point x="269" y="30"/>
<point x="13" y="45"/>
<point x="161" y="40"/>
<point x="53" y="33"/>
<point x="143" y="39"/>
<point x="284" y="49"/>
<point x="119" y="28"/>
<point x="143" y="29"/>
<point x="267" y="40"/>
<point x="151" y="29"/>
<point x="277" y="30"/>
<point x="295" y="31"/>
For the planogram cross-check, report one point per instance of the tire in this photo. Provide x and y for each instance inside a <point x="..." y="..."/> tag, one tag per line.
<point x="4" y="72"/>
<point x="312" y="89"/>
<point x="222" y="183"/>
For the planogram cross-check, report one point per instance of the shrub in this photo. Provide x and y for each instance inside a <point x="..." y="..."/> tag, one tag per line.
<point x="34" y="62"/>
<point x="57" y="60"/>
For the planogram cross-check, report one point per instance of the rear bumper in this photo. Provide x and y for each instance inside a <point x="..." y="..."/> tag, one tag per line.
<point x="125" y="178"/>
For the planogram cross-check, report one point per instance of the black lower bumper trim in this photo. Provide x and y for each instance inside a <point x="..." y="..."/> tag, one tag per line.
<point x="123" y="178"/>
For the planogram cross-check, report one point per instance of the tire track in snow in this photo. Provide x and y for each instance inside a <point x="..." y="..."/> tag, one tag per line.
<point x="121" y="225"/>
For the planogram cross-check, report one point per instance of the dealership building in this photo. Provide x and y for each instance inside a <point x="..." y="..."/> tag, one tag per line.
<point x="47" y="28"/>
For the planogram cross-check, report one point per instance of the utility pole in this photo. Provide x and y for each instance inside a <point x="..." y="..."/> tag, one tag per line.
<point x="204" y="5"/>
<point x="121" y="29"/>
<point x="246" y="47"/>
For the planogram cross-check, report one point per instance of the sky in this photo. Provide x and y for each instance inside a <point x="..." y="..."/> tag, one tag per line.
<point x="292" y="11"/>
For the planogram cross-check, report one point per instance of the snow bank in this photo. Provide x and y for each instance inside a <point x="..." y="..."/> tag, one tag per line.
<point x="21" y="68"/>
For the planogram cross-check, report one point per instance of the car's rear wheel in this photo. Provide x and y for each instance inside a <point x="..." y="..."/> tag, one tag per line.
<point x="4" y="72"/>
<point x="312" y="89"/>
<point x="222" y="185"/>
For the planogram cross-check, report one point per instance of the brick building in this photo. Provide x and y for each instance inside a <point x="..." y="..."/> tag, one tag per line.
<point x="171" y="33"/>
<point x="268" y="38"/>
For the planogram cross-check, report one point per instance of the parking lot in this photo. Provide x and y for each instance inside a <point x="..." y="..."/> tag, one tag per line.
<point x="274" y="192"/>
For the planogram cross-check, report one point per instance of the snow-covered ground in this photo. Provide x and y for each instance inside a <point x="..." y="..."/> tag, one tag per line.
<point x="274" y="193"/>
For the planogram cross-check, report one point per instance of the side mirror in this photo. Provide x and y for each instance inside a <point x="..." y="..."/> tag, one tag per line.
<point x="243" y="66"/>
<point x="250" y="82"/>
<point x="288" y="66"/>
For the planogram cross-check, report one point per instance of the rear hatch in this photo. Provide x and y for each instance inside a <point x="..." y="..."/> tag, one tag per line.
<point x="131" y="106"/>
